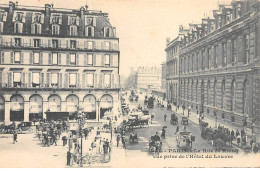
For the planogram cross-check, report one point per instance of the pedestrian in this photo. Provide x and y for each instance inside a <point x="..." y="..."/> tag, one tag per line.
<point x="177" y="129"/>
<point x="232" y="135"/>
<point x="64" y="140"/>
<point x="68" y="157"/>
<point x="165" y="116"/>
<point x="117" y="140"/>
<point x="123" y="141"/>
<point x="237" y="133"/>
<point x="238" y="140"/>
<point x="15" y="137"/>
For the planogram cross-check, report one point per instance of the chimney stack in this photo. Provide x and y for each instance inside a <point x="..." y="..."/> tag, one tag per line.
<point x="82" y="10"/>
<point x="47" y="9"/>
<point x="11" y="7"/>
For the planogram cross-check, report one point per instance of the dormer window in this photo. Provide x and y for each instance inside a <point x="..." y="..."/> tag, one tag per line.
<point x="107" y="32"/>
<point x="18" y="27"/>
<point x="73" y="31"/>
<point x="90" y="21"/>
<point x="239" y="9"/>
<point x="55" y="29"/>
<point x="56" y="19"/>
<point x="19" y="17"/>
<point x="3" y="16"/>
<point x="228" y="17"/>
<point x="89" y="31"/>
<point x="36" y="28"/>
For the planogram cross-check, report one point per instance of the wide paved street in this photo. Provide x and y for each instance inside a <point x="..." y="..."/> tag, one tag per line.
<point x="169" y="142"/>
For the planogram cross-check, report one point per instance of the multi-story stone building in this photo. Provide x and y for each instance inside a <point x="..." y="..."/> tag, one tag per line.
<point x="172" y="69"/>
<point x="148" y="78"/>
<point x="219" y="65"/>
<point x="55" y="61"/>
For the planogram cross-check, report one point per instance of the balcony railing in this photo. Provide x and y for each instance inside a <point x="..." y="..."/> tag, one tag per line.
<point x="58" y="46"/>
<point x="57" y="86"/>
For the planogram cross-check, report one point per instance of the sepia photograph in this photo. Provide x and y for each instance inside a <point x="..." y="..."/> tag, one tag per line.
<point x="129" y="83"/>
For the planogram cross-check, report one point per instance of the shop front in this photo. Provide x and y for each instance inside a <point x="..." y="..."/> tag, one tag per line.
<point x="106" y="105"/>
<point x="17" y="108"/>
<point x="72" y="103"/>
<point x="35" y="108"/>
<point x="89" y="106"/>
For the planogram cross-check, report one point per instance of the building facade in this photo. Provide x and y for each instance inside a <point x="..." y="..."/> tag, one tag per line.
<point x="163" y="84"/>
<point x="55" y="61"/>
<point x="148" y="78"/>
<point x="219" y="65"/>
<point x="172" y="70"/>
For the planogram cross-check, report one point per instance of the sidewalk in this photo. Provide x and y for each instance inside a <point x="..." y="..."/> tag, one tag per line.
<point x="210" y="120"/>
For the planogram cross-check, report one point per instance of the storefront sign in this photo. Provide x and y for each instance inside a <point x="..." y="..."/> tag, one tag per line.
<point x="16" y="106"/>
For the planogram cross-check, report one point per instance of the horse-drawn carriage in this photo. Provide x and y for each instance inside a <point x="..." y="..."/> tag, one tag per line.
<point x="174" y="119"/>
<point x="184" y="121"/>
<point x="7" y="129"/>
<point x="24" y="127"/>
<point x="203" y="124"/>
<point x="133" y="137"/>
<point x="184" y="139"/>
<point x="150" y="103"/>
<point x="155" y="145"/>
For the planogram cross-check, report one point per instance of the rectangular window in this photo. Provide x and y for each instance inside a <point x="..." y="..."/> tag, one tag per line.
<point x="224" y="54"/>
<point x="89" y="31"/>
<point x="36" y="58"/>
<point x="90" y="45"/>
<point x="17" y="57"/>
<point x="202" y="60"/>
<point x="55" y="59"/>
<point x="246" y="40"/>
<point x="17" y="41"/>
<point x="36" y="79"/>
<point x="107" y="80"/>
<point x="54" y="79"/>
<point x="1" y="27"/>
<point x="55" y="29"/>
<point x="36" y="43"/>
<point x="90" y="80"/>
<point x="208" y="52"/>
<point x="107" y="45"/>
<point x="17" y="77"/>
<point x="55" y="43"/>
<point x="107" y="60"/>
<point x="18" y="27"/>
<point x="89" y="21"/>
<point x="234" y="52"/>
<point x="73" y="44"/>
<point x="73" y="30"/>
<point x="73" y="59"/>
<point x="107" y="32"/>
<point x="90" y="59"/>
<point x="73" y="79"/>
<point x="215" y="57"/>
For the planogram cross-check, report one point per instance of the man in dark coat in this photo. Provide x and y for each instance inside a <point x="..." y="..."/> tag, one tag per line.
<point x="68" y="158"/>
<point x="117" y="140"/>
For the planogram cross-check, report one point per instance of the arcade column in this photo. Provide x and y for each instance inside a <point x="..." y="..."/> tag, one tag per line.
<point x="7" y="111"/>
<point x="44" y="109"/>
<point x="26" y="111"/>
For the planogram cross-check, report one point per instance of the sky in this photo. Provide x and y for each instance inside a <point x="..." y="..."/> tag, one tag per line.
<point x="142" y="25"/>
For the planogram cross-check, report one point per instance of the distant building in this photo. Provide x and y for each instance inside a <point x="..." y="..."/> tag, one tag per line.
<point x="147" y="78"/>
<point x="55" y="61"/>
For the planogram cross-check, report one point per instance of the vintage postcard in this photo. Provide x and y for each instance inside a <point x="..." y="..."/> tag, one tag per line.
<point x="130" y="84"/>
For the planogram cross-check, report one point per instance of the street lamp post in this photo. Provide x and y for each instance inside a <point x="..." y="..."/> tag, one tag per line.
<point x="216" y="116"/>
<point x="98" y="102"/>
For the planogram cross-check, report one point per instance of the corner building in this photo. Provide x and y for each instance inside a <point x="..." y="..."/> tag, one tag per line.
<point x="219" y="65"/>
<point x="55" y="61"/>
